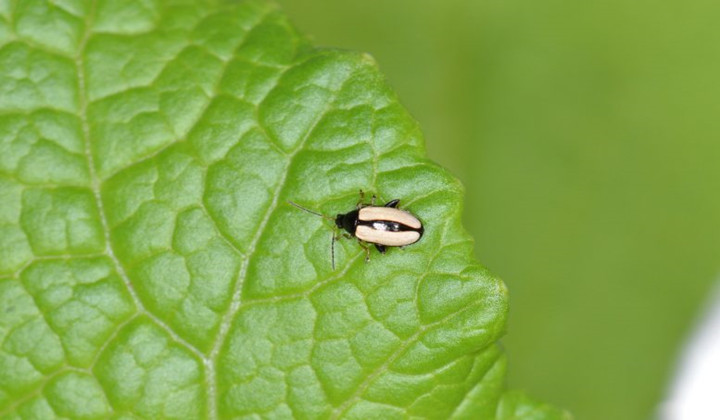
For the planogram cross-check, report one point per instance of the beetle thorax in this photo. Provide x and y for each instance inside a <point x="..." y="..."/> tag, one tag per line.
<point x="347" y="221"/>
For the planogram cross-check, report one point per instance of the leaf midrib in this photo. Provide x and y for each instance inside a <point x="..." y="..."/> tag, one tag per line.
<point x="95" y="188"/>
<point x="209" y="360"/>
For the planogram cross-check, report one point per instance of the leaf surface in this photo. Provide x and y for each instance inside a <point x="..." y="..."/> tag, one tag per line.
<point x="150" y="265"/>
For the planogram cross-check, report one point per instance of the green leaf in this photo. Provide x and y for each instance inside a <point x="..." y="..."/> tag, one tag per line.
<point x="516" y="405"/>
<point x="149" y="263"/>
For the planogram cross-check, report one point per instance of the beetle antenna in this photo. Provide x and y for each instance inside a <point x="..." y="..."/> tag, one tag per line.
<point x="309" y="211"/>
<point x="332" y="250"/>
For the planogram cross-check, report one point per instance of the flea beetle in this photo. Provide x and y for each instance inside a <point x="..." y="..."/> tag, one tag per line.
<point x="382" y="226"/>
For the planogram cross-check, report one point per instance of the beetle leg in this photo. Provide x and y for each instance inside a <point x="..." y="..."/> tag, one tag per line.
<point x="362" y="199"/>
<point x="367" y="250"/>
<point x="380" y="248"/>
<point x="394" y="203"/>
<point x="347" y="236"/>
<point x="372" y="202"/>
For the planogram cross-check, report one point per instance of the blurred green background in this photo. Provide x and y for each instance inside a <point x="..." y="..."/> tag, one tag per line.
<point x="587" y="135"/>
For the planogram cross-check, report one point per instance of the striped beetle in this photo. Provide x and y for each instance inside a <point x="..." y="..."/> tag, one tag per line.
<point x="382" y="226"/>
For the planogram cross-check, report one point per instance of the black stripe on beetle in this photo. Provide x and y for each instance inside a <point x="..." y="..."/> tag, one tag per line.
<point x="382" y="226"/>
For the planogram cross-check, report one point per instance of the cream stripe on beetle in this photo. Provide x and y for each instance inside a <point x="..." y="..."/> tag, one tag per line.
<point x="375" y="236"/>
<point x="389" y="214"/>
<point x="370" y="224"/>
